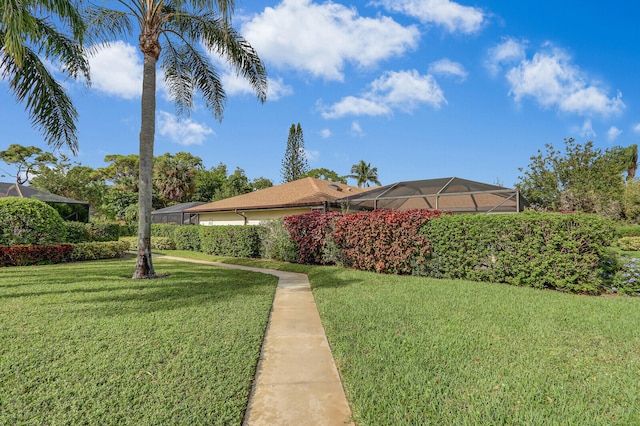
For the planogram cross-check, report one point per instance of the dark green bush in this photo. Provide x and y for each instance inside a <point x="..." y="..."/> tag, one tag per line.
<point x="99" y="250"/>
<point x="29" y="221"/>
<point x="163" y="230"/>
<point x="276" y="242"/>
<point x="543" y="250"/>
<point x="187" y="238"/>
<point x="78" y="232"/>
<point x="128" y="230"/>
<point x="157" y="243"/>
<point x="104" y="231"/>
<point x="20" y="255"/>
<point x="234" y="241"/>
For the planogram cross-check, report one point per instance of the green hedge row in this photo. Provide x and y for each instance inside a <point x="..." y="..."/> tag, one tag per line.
<point x="543" y="250"/>
<point x="25" y="255"/>
<point x="235" y="241"/>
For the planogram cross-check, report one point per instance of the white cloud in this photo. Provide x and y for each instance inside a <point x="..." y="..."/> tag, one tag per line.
<point x="325" y="133"/>
<point x="116" y="69"/>
<point x="586" y="131"/>
<point x="403" y="90"/>
<point x="451" y="15"/>
<point x="235" y="85"/>
<point x="613" y="133"/>
<point x="510" y="51"/>
<point x="311" y="155"/>
<point x="184" y="132"/>
<point x="356" y="129"/>
<point x="447" y="67"/>
<point x="553" y="81"/>
<point x="636" y="128"/>
<point x="320" y="38"/>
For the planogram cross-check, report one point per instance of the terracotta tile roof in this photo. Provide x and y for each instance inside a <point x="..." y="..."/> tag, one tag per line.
<point x="299" y="193"/>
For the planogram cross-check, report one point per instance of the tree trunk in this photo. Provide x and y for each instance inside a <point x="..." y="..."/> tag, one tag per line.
<point x="144" y="265"/>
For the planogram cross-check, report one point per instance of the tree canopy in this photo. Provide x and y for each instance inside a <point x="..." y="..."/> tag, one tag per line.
<point x="294" y="163"/>
<point x="364" y="174"/>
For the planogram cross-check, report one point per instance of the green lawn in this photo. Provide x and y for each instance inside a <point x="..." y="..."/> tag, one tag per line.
<point x="418" y="351"/>
<point x="84" y="344"/>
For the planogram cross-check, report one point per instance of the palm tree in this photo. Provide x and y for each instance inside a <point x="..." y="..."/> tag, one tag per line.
<point x="28" y="32"/>
<point x="363" y="173"/>
<point x="178" y="28"/>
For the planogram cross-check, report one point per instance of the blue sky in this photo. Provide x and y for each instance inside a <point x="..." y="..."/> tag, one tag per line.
<point x="418" y="88"/>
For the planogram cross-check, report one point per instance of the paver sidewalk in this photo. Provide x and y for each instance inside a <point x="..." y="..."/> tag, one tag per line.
<point x="297" y="382"/>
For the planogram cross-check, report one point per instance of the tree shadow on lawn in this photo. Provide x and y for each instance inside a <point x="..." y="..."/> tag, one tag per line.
<point x="105" y="288"/>
<point x="336" y="277"/>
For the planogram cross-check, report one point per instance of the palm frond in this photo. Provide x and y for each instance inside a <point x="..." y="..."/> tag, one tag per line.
<point x="48" y="105"/>
<point x="105" y="24"/>
<point x="64" y="49"/>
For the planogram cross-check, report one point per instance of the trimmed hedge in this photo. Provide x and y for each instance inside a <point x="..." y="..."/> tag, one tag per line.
<point x="276" y="242"/>
<point x="25" y="221"/>
<point x="25" y="255"/>
<point x="78" y="232"/>
<point x="310" y="231"/>
<point x="99" y="250"/>
<point x="157" y="243"/>
<point x="187" y="238"/>
<point x="542" y="250"/>
<point x="104" y="231"/>
<point x="385" y="241"/>
<point x="232" y="240"/>
<point x="163" y="230"/>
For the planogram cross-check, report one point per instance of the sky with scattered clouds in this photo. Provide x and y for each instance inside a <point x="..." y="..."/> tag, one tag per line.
<point x="417" y="88"/>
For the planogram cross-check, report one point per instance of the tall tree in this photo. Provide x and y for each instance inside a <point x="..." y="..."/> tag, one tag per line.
<point x="294" y="163"/>
<point x="174" y="176"/>
<point x="582" y="178"/>
<point x="26" y="160"/>
<point x="326" y="174"/>
<point x="31" y="33"/>
<point x="179" y="28"/>
<point x="364" y="174"/>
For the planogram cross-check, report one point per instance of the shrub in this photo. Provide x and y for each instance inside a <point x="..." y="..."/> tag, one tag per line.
<point x="29" y="221"/>
<point x="187" y="238"/>
<point x="128" y="230"/>
<point x="627" y="279"/>
<point x="78" y="232"/>
<point x="310" y="231"/>
<point x="21" y="255"/>
<point x="629" y="243"/>
<point x="384" y="241"/>
<point x="559" y="251"/>
<point x="99" y="250"/>
<point x="163" y="230"/>
<point x="157" y="243"/>
<point x="104" y="231"/>
<point x="233" y="240"/>
<point x="276" y="242"/>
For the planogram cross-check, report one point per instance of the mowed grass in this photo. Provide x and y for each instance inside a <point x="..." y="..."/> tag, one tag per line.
<point x="417" y="351"/>
<point x="82" y="343"/>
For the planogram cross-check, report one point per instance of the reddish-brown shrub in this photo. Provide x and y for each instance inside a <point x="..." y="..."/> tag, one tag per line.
<point x="33" y="255"/>
<point x="310" y="231"/>
<point x="384" y="241"/>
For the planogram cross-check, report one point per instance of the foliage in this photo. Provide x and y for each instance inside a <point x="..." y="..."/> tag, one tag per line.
<point x="96" y="250"/>
<point x="294" y="163"/>
<point x="629" y="243"/>
<point x="384" y="241"/>
<point x="34" y="34"/>
<point x="631" y="201"/>
<point x="276" y="243"/>
<point x="128" y="229"/>
<point x="235" y="241"/>
<point x="163" y="230"/>
<point x="542" y="250"/>
<point x="83" y="344"/>
<point x="628" y="231"/>
<point x="157" y="243"/>
<point x="104" y="231"/>
<point x="582" y="179"/>
<point x="27" y="160"/>
<point x="627" y="278"/>
<point x="174" y="176"/>
<point x="309" y="231"/>
<point x="326" y="174"/>
<point x="363" y="173"/>
<point x="187" y="238"/>
<point x="78" y="232"/>
<point x="419" y="351"/>
<point x="21" y="255"/>
<point x="236" y="183"/>
<point x="29" y="221"/>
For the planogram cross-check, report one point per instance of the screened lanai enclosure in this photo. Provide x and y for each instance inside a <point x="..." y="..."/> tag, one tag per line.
<point x="176" y="214"/>
<point x="68" y="208"/>
<point x="449" y="194"/>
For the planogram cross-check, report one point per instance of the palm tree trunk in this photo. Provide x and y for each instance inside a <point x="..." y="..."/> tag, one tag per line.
<point x="144" y="265"/>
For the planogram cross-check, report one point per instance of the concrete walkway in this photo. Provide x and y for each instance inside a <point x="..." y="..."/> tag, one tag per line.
<point x="297" y="382"/>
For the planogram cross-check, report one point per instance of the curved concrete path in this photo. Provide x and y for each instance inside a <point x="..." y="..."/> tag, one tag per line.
<point x="297" y="382"/>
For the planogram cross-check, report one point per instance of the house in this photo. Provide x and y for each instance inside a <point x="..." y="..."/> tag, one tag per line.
<point x="68" y="208"/>
<point x="176" y="214"/>
<point x="299" y="196"/>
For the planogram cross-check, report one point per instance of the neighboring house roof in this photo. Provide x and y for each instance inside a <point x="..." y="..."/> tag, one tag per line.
<point x="178" y="208"/>
<point x="306" y="192"/>
<point x="11" y="190"/>
<point x="453" y="194"/>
